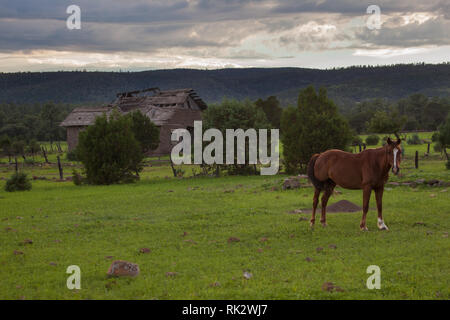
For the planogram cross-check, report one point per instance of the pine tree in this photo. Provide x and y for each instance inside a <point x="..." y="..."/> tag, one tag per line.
<point x="313" y="127"/>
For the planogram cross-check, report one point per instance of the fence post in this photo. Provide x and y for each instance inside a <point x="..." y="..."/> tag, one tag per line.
<point x="60" y="169"/>
<point x="416" y="160"/>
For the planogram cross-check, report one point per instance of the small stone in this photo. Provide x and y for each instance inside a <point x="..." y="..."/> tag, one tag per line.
<point x="109" y="257"/>
<point x="330" y="287"/>
<point x="291" y="183"/>
<point x="144" y="250"/>
<point x="27" y="241"/>
<point x="53" y="263"/>
<point x="432" y="195"/>
<point x="171" y="274"/>
<point x="308" y="259"/>
<point x="120" y="268"/>
<point x="319" y="249"/>
<point x="263" y="239"/>
<point x="215" y="284"/>
<point x="332" y="246"/>
<point x="247" y="275"/>
<point x="17" y="252"/>
<point x="233" y="239"/>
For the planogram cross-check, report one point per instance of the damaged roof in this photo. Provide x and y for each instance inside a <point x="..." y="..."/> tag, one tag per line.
<point x="159" y="107"/>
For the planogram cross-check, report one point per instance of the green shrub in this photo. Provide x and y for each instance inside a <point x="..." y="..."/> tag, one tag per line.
<point x="435" y="136"/>
<point x="415" y="139"/>
<point x="109" y="151"/>
<point x="356" y="140"/>
<point x="372" y="140"/>
<point x="437" y="147"/>
<point x="71" y="155"/>
<point x="29" y="161"/>
<point x="18" y="182"/>
<point x="77" y="179"/>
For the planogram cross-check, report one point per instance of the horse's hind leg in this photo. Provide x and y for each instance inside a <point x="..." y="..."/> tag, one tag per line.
<point x="315" y="202"/>
<point x="329" y="187"/>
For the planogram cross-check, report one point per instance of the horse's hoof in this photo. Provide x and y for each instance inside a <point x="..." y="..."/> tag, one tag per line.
<point x="311" y="224"/>
<point x="381" y="225"/>
<point x="364" y="229"/>
<point x="324" y="224"/>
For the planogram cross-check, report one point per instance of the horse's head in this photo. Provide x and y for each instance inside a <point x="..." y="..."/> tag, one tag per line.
<point x="394" y="152"/>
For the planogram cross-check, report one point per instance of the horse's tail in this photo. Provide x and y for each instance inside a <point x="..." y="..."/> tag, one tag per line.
<point x="316" y="183"/>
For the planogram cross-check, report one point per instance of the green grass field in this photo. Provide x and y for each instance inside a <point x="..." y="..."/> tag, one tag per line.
<point x="186" y="223"/>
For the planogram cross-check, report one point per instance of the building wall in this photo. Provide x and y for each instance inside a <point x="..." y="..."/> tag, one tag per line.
<point x="182" y="119"/>
<point x="72" y="136"/>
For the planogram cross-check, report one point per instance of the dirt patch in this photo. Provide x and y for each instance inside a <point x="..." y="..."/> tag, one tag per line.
<point x="340" y="206"/>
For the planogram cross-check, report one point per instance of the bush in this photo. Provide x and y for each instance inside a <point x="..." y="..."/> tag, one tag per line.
<point x="109" y="151"/>
<point x="447" y="164"/>
<point x="72" y="155"/>
<point x="435" y="136"/>
<point x="437" y="147"/>
<point x="372" y="140"/>
<point x="29" y="161"/>
<point x="18" y="182"/>
<point x="356" y="140"/>
<point x="77" y="178"/>
<point x="415" y="139"/>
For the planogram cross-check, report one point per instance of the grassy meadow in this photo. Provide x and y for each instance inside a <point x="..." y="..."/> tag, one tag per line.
<point x="204" y="233"/>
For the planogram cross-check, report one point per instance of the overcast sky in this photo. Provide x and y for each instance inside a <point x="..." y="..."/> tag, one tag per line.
<point x="210" y="34"/>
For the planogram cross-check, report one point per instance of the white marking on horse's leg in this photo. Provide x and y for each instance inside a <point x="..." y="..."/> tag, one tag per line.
<point x="381" y="225"/>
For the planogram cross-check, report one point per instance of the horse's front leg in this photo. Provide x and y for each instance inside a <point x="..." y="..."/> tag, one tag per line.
<point x="366" y="198"/>
<point x="379" y="196"/>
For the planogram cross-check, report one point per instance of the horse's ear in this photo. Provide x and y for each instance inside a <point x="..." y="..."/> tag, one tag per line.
<point x="399" y="141"/>
<point x="389" y="141"/>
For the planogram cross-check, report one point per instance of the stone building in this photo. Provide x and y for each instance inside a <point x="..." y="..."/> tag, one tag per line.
<point x="169" y="110"/>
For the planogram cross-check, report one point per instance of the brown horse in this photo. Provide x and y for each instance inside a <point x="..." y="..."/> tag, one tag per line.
<point x="368" y="170"/>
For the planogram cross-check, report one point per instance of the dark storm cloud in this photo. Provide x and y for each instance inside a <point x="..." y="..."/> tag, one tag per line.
<point x="146" y="26"/>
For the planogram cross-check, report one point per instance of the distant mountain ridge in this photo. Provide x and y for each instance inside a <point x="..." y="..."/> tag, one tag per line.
<point x="344" y="85"/>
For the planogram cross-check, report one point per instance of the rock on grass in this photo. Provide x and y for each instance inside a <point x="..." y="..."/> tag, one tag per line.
<point x="120" y="268"/>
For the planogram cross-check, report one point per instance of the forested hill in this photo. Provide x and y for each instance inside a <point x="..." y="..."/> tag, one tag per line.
<point x="344" y="85"/>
